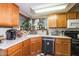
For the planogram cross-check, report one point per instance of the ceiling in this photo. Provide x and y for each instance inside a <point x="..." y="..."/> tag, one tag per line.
<point x="40" y="5"/>
<point x="28" y="9"/>
<point x="75" y="8"/>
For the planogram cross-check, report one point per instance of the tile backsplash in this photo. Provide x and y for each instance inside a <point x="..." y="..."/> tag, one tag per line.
<point x="56" y="31"/>
<point x="52" y="31"/>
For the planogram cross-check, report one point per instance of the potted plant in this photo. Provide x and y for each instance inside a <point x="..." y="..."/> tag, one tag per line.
<point x="26" y="24"/>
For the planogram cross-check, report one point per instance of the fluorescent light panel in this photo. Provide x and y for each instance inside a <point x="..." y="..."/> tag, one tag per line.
<point x="44" y="5"/>
<point x="54" y="8"/>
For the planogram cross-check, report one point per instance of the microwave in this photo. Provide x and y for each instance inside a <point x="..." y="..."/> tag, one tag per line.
<point x="73" y="23"/>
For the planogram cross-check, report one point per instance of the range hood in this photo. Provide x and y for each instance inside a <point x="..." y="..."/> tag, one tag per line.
<point x="73" y="23"/>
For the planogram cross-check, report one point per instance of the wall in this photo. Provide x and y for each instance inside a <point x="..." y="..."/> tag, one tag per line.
<point x="58" y="31"/>
<point x="22" y="18"/>
<point x="3" y="31"/>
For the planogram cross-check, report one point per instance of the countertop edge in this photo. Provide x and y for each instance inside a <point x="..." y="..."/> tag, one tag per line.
<point x="25" y="37"/>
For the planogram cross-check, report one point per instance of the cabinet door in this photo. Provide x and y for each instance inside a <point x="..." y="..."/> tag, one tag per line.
<point x="33" y="46"/>
<point x="9" y="14"/>
<point x="4" y="15"/>
<point x="17" y="53"/>
<point x="61" y="20"/>
<point x="39" y="45"/>
<point x="15" y="15"/>
<point x="15" y="50"/>
<point x="52" y="21"/>
<point x="78" y="15"/>
<point x="58" y="47"/>
<point x="67" y="47"/>
<point x="26" y="47"/>
<point x="71" y="15"/>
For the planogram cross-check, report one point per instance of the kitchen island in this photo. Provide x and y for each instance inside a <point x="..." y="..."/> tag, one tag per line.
<point x="28" y="42"/>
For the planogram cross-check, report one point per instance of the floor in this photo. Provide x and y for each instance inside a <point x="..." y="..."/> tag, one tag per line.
<point x="42" y="54"/>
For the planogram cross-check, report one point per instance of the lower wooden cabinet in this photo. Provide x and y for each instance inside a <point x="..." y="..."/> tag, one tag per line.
<point x="67" y="47"/>
<point x="15" y="50"/>
<point x="26" y="47"/>
<point x="17" y="53"/>
<point x="63" y="47"/>
<point x="29" y="47"/>
<point x="39" y="45"/>
<point x="35" y="45"/>
<point x="58" y="47"/>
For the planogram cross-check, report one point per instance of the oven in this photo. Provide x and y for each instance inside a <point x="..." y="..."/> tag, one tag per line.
<point x="75" y="42"/>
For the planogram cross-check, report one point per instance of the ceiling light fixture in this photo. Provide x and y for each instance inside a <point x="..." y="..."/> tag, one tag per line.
<point x="54" y="8"/>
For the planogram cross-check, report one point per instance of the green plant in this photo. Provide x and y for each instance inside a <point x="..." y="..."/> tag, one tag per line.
<point x="26" y="24"/>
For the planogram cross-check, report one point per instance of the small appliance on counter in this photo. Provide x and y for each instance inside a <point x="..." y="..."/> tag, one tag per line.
<point x="11" y="34"/>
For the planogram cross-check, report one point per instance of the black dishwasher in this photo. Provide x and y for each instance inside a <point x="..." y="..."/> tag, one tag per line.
<point x="48" y="45"/>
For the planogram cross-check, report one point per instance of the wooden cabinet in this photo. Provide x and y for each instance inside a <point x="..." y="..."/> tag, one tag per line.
<point x="63" y="47"/>
<point x="52" y="21"/>
<point x="35" y="45"/>
<point x="4" y="15"/>
<point x="29" y="47"/>
<point x="15" y="15"/>
<point x="26" y="47"/>
<point x="67" y="47"/>
<point x="71" y="15"/>
<point x="20" y="49"/>
<point x="15" y="50"/>
<point x="9" y="14"/>
<point x="58" y="47"/>
<point x="57" y="20"/>
<point x="78" y="15"/>
<point x="17" y="53"/>
<point x="61" y="20"/>
<point x="39" y="45"/>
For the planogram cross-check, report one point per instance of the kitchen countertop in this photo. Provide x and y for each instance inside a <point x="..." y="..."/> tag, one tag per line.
<point x="8" y="43"/>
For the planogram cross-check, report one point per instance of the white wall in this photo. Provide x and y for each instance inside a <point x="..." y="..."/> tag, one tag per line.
<point x="3" y="31"/>
<point x="40" y="32"/>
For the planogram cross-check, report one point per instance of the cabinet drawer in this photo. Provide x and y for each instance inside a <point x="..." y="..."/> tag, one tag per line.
<point x="14" y="48"/>
<point x="17" y="53"/>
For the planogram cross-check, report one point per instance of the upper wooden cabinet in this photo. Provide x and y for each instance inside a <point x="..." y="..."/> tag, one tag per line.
<point x="9" y="14"/>
<point x="57" y="20"/>
<point x="78" y="15"/>
<point x="4" y="15"/>
<point x="52" y="21"/>
<point x="61" y="20"/>
<point x="71" y="15"/>
<point x="15" y="15"/>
